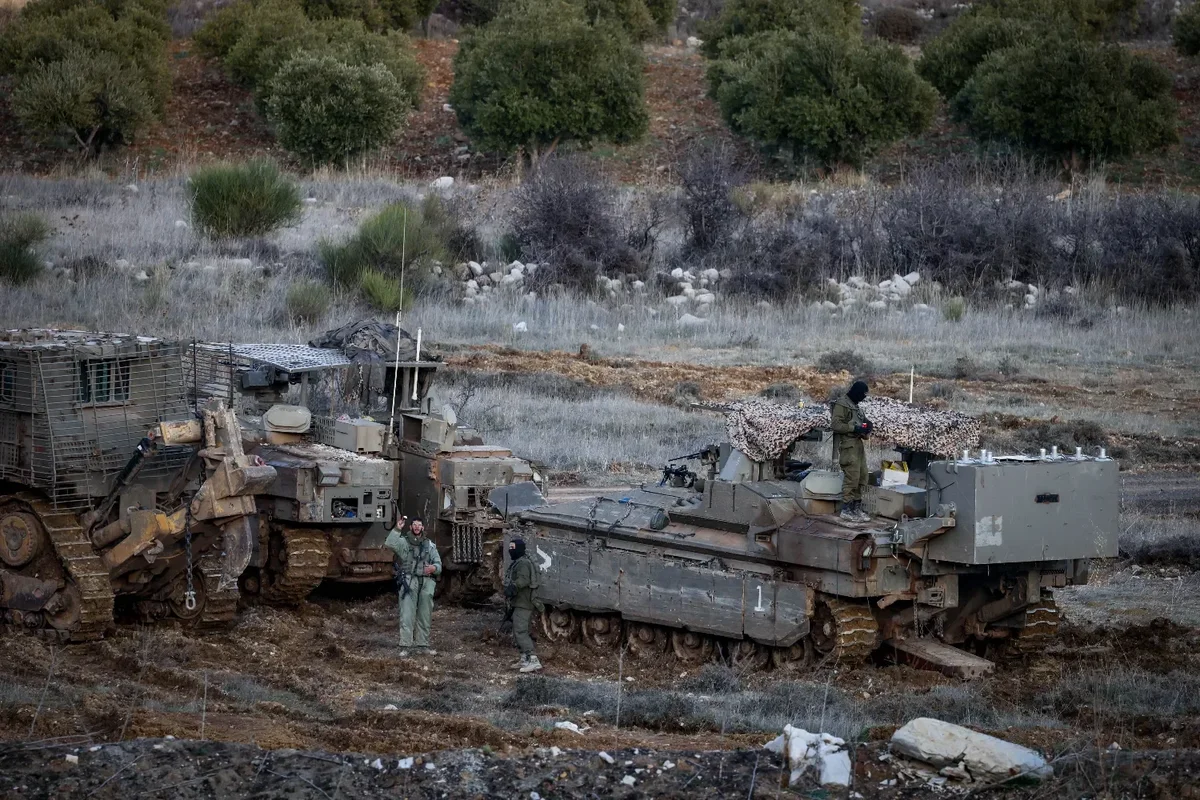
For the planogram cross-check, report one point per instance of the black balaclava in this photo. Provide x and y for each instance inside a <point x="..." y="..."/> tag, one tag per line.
<point x="516" y="548"/>
<point x="858" y="391"/>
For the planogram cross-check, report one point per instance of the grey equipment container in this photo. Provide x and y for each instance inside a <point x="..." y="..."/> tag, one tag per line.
<point x="751" y="568"/>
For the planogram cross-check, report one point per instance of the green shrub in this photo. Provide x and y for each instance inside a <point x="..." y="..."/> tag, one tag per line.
<point x="325" y="111"/>
<point x="243" y="199"/>
<point x="663" y="12"/>
<point x="135" y="37"/>
<point x="377" y="15"/>
<point x="820" y="96"/>
<point x="954" y="309"/>
<point x="222" y="29"/>
<point x="748" y="17"/>
<point x="351" y="43"/>
<point x="897" y="24"/>
<point x="272" y="33"/>
<point x="1092" y="18"/>
<point x="1070" y="98"/>
<point x="948" y="61"/>
<point x="308" y="301"/>
<point x="396" y="239"/>
<point x="383" y="292"/>
<point x="20" y="236"/>
<point x="93" y="98"/>
<point x="631" y="15"/>
<point x="539" y="74"/>
<point x="1185" y="33"/>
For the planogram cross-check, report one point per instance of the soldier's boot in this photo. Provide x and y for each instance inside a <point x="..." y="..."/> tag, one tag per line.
<point x="847" y="512"/>
<point x="521" y="661"/>
<point x="532" y="665"/>
<point x="863" y="516"/>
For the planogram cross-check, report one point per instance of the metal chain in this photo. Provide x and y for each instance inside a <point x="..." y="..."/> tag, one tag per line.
<point x="189" y="596"/>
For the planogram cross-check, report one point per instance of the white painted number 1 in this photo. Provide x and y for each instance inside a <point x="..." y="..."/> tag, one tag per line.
<point x="759" y="607"/>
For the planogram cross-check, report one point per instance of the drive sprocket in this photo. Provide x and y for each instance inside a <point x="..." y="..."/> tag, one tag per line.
<point x="844" y="630"/>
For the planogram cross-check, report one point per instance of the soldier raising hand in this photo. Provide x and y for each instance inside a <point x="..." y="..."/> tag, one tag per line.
<point x="418" y="567"/>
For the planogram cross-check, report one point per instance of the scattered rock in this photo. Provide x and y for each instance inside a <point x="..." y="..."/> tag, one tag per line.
<point x="181" y="224"/>
<point x="132" y="188"/>
<point x="691" y="321"/>
<point x="390" y="707"/>
<point x="693" y="42"/>
<point x="629" y="780"/>
<point x="568" y="726"/>
<point x="141" y="277"/>
<point x="377" y="764"/>
<point x="443" y="183"/>
<point x="405" y="763"/>
<point x="475" y="267"/>
<point x="606" y="758"/>
<point x="943" y="744"/>
<point x="71" y="758"/>
<point x="677" y="273"/>
<point x="520" y="327"/>
<point x="677" y="300"/>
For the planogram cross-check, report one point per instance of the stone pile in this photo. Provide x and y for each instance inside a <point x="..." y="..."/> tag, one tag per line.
<point x="482" y="281"/>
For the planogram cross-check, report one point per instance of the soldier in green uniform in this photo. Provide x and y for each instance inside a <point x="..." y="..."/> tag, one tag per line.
<point x="520" y="588"/>
<point x="418" y="567"/>
<point x="850" y="429"/>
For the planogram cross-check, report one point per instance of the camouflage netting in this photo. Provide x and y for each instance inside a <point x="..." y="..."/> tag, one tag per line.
<point x="372" y="342"/>
<point x="763" y="430"/>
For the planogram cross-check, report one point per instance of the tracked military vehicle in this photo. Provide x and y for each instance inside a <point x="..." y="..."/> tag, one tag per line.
<point x="320" y="417"/>
<point x="116" y="495"/>
<point x="749" y="560"/>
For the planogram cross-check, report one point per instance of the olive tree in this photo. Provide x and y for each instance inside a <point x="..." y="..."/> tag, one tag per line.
<point x="541" y="73"/>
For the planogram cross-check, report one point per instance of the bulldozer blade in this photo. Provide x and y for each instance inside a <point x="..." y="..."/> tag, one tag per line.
<point x="240" y="534"/>
<point x="940" y="657"/>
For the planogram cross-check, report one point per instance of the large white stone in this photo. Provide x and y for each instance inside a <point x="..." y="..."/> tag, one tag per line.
<point x="520" y="327"/>
<point x="912" y="278"/>
<point x="712" y="274"/>
<point x="878" y="305"/>
<point x="691" y="321"/>
<point x="705" y="297"/>
<point x="677" y="273"/>
<point x="677" y="300"/>
<point x="639" y="286"/>
<point x="901" y="288"/>
<point x="829" y="305"/>
<point x="825" y="754"/>
<point x="943" y="744"/>
<point x="442" y="183"/>
<point x="475" y="267"/>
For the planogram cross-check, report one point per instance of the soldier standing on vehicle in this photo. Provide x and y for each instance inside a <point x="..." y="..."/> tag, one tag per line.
<point x="850" y="429"/>
<point x="418" y="567"/>
<point x="520" y="588"/>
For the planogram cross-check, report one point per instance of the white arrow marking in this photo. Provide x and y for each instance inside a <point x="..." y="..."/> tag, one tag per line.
<point x="545" y="558"/>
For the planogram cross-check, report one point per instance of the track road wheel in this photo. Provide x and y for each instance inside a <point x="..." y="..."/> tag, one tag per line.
<point x="844" y="631"/>
<point x="559" y="625"/>
<point x="691" y="647"/>
<point x="601" y="631"/>
<point x="297" y="565"/>
<point x="647" y="641"/>
<point x="745" y="655"/>
<point x="21" y="538"/>
<point x="1041" y="626"/>
<point x="178" y="599"/>
<point x="793" y="658"/>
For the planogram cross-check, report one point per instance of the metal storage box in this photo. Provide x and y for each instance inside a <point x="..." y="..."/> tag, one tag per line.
<point x="1026" y="510"/>
<point x="895" y="502"/>
<point x="358" y="435"/>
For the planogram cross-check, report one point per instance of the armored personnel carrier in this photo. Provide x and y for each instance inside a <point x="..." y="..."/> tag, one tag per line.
<point x="320" y="417"/>
<point x="750" y="560"/>
<point x="115" y="494"/>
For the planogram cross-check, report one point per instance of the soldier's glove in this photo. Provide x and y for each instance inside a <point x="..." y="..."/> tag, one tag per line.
<point x="864" y="430"/>
<point x="510" y="590"/>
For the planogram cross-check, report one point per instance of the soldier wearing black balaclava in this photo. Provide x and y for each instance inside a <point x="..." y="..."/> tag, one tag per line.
<point x="520" y="588"/>
<point x="850" y="430"/>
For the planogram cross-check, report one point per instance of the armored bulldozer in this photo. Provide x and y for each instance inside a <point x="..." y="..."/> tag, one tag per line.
<point x="320" y="417"/>
<point x="749" y="560"/>
<point x="116" y="497"/>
